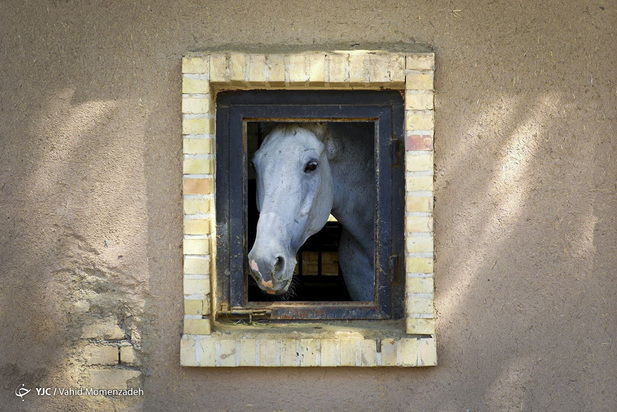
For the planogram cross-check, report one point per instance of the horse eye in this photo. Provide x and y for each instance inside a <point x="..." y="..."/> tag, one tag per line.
<point x="310" y="166"/>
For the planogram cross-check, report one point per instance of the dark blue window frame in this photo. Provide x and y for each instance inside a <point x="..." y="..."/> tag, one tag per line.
<point x="234" y="110"/>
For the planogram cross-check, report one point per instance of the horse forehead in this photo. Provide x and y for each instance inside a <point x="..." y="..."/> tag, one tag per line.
<point x="290" y="141"/>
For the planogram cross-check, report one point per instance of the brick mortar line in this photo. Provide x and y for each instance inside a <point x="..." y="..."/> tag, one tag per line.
<point x="419" y="193"/>
<point x="198" y="136"/>
<point x="419" y="71"/>
<point x="207" y="115"/>
<point x="420" y="295"/>
<point x="419" y="132"/>
<point x="429" y="255"/>
<point x="424" y="235"/>
<point x="199" y="216"/>
<point x="196" y="96"/>
<point x="194" y="297"/>
<point x="200" y="156"/>
<point x="420" y="91"/>
<point x="414" y="275"/>
<point x="418" y="153"/>
<point x="198" y="197"/>
<point x="419" y="173"/>
<point x="195" y="276"/>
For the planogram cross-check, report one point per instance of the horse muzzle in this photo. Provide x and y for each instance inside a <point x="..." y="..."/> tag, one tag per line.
<point x="272" y="272"/>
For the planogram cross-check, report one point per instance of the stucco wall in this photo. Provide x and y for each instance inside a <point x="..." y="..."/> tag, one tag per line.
<point x="91" y="211"/>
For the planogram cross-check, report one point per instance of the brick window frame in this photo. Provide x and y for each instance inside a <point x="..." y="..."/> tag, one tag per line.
<point x="208" y="343"/>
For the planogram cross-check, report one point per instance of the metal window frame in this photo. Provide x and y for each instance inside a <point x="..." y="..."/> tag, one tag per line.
<point x="234" y="109"/>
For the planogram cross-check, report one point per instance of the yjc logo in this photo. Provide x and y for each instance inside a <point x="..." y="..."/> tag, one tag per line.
<point x="22" y="391"/>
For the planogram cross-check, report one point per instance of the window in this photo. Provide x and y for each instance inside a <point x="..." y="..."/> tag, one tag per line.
<point x="241" y="117"/>
<point x="392" y="328"/>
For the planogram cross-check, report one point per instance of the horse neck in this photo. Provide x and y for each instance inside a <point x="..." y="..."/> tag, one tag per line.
<point x="354" y="188"/>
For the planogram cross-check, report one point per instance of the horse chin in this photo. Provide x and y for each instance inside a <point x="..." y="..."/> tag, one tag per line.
<point x="280" y="291"/>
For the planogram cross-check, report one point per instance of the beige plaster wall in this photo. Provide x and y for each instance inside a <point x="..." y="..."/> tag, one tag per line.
<point x="525" y="212"/>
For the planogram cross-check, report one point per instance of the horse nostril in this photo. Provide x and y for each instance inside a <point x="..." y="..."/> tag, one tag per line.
<point x="280" y="262"/>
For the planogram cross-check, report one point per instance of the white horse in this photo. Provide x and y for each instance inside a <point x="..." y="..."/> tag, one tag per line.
<point x="304" y="173"/>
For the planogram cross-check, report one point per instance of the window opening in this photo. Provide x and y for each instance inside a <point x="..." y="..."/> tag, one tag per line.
<point x="244" y="119"/>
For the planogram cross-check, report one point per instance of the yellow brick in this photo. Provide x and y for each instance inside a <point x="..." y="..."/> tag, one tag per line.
<point x="195" y="85"/>
<point x="237" y="67"/>
<point x="197" y="125"/>
<point x="128" y="355"/>
<point x="276" y="64"/>
<point x="419" y="244"/>
<point x="267" y="352"/>
<point x="218" y="68"/>
<point x="257" y="69"/>
<point x="428" y="352"/>
<point x="288" y="352"/>
<point x="419" y="265"/>
<point x="419" y="101"/>
<point x="348" y="352"/>
<point x="103" y="329"/>
<point x="419" y="161"/>
<point x="187" y="352"/>
<point x="226" y="352"/>
<point x="330" y="353"/>
<point x="111" y="378"/>
<point x="419" y="305"/>
<point x="421" y="61"/>
<point x="197" y="286"/>
<point x="194" y="307"/>
<point x="207" y="351"/>
<point x="198" y="146"/>
<point x="420" y="326"/>
<point x="317" y="68"/>
<point x="337" y="68"/>
<point x="197" y="326"/>
<point x="196" y="265"/>
<point x="418" y="183"/>
<point x="297" y="68"/>
<point x="248" y="352"/>
<point x="420" y="285"/>
<point x="191" y="166"/>
<point x="418" y="120"/>
<point x="309" y="351"/>
<point x="196" y="246"/>
<point x="357" y="68"/>
<point x="379" y="68"/>
<point x="192" y="206"/>
<point x="195" y="105"/>
<point x="420" y="81"/>
<point x="422" y="224"/>
<point x="197" y="226"/>
<point x="101" y="355"/>
<point x="419" y="204"/>
<point x="409" y="352"/>
<point x="194" y="64"/>
<point x="397" y="69"/>
<point x="368" y="349"/>
<point x="389" y="352"/>
<point x="197" y="186"/>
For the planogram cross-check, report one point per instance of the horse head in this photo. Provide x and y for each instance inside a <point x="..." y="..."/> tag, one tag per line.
<point x="294" y="198"/>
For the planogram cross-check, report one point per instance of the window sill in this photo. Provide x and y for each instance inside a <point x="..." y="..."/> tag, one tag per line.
<point x="331" y="344"/>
